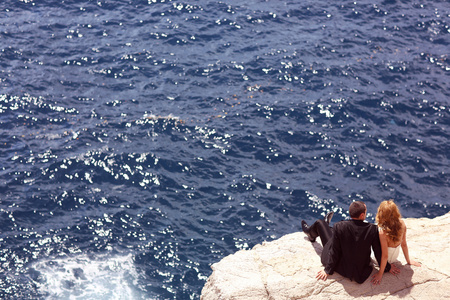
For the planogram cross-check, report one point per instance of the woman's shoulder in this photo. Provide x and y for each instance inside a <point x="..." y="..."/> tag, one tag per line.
<point x="381" y="230"/>
<point x="403" y="224"/>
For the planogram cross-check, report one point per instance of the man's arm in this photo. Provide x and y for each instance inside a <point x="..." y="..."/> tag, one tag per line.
<point x="332" y="256"/>
<point x="322" y="275"/>
<point x="335" y="251"/>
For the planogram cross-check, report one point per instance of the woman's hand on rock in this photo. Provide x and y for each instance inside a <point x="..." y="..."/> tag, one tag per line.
<point x="376" y="278"/>
<point x="414" y="263"/>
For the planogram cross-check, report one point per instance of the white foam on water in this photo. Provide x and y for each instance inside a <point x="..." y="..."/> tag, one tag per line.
<point x="82" y="277"/>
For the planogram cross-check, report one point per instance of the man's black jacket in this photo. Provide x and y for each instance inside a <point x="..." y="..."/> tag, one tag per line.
<point x="348" y="252"/>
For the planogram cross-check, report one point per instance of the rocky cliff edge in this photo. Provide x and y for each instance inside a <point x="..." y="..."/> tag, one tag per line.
<point x="286" y="269"/>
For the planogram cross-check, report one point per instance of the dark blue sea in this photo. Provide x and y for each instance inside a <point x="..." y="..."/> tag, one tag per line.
<point x="144" y="140"/>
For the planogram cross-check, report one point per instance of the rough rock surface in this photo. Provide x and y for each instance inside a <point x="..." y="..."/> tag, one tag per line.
<point x="286" y="269"/>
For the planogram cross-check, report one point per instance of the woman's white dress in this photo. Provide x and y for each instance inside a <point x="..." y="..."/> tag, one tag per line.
<point x="393" y="254"/>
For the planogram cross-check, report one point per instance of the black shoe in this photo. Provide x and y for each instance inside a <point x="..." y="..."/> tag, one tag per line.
<point x="328" y="217"/>
<point x="306" y="228"/>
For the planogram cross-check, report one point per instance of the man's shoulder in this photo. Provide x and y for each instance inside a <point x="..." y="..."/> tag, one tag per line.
<point x="342" y="224"/>
<point x="354" y="223"/>
<point x="349" y="228"/>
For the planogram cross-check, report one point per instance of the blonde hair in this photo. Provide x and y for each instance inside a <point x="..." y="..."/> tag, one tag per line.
<point x="388" y="218"/>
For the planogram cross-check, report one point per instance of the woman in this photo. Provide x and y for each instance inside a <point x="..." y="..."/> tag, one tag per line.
<point x="392" y="232"/>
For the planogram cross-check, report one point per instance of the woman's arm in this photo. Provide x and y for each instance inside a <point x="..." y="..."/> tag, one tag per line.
<point x="376" y="278"/>
<point x="405" y="248"/>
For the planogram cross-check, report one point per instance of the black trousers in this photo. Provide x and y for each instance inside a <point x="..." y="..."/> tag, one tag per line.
<point x="321" y="229"/>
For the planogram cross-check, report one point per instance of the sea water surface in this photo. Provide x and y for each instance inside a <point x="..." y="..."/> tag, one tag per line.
<point x="144" y="140"/>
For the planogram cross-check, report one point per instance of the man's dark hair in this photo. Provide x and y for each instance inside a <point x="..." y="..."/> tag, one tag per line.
<point x="356" y="209"/>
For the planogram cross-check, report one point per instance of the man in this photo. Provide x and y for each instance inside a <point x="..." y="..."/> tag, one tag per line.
<point x="346" y="247"/>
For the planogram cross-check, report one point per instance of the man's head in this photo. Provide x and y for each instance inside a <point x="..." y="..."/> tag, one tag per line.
<point x="357" y="210"/>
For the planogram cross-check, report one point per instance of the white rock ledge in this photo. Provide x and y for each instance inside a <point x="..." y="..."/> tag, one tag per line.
<point x="286" y="269"/>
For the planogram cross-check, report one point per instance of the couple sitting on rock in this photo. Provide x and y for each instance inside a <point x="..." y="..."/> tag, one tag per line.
<point x="347" y="246"/>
